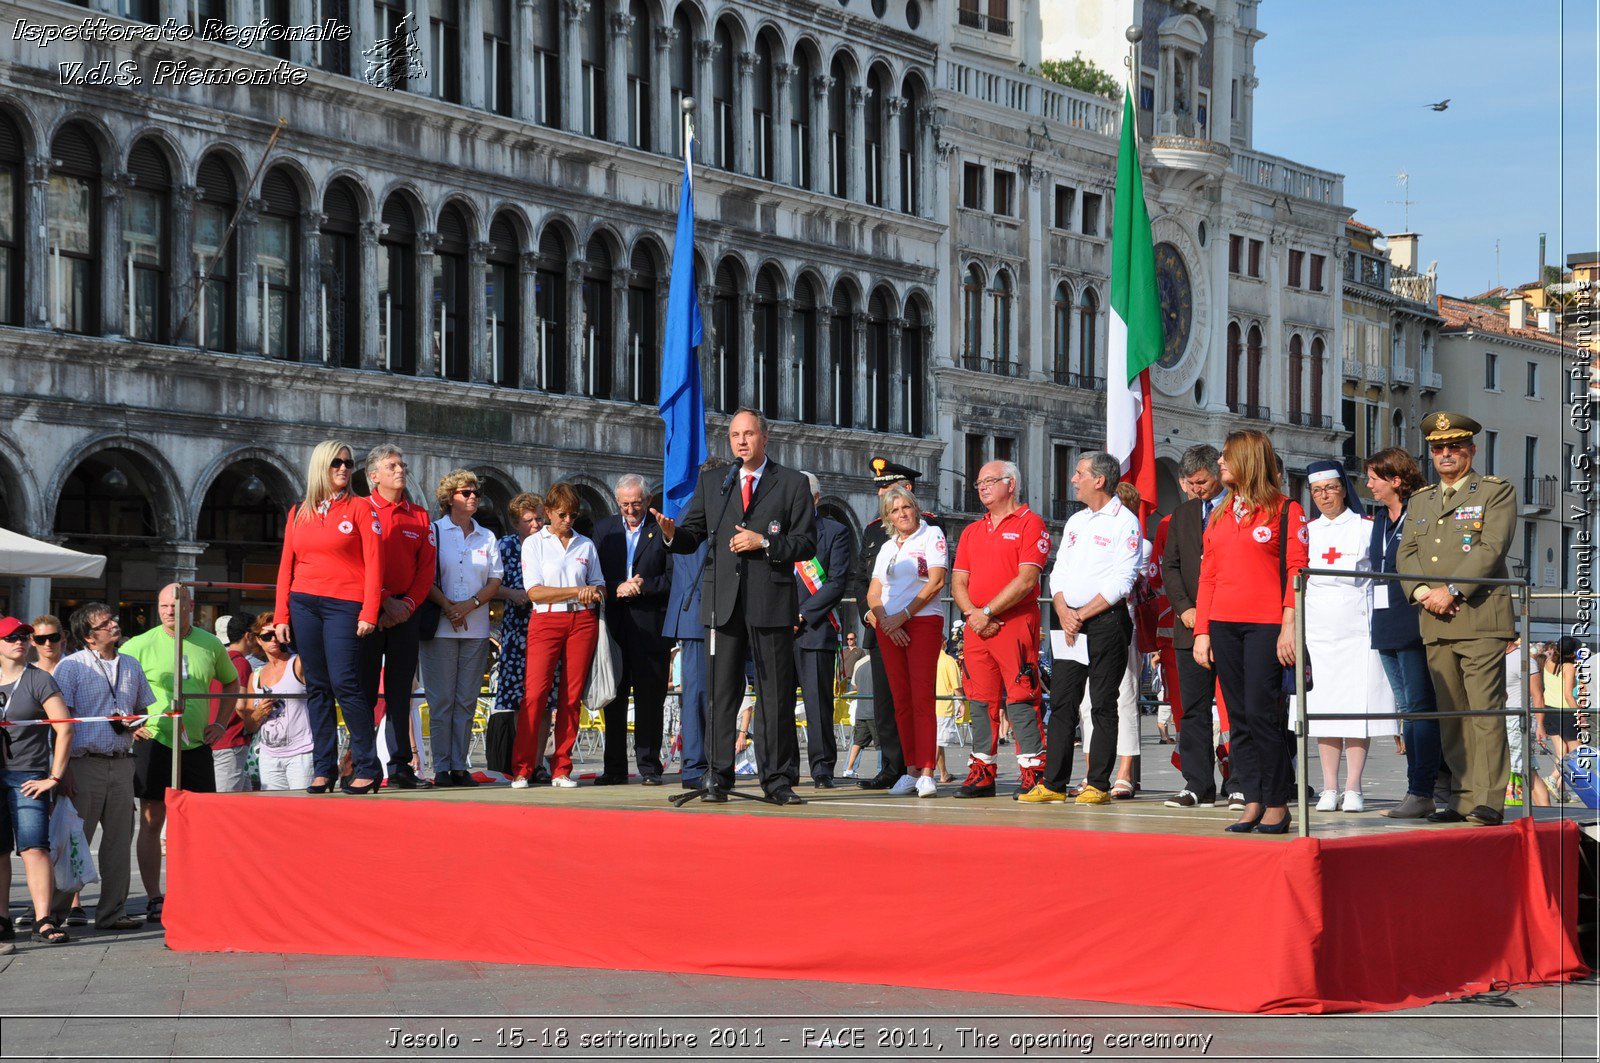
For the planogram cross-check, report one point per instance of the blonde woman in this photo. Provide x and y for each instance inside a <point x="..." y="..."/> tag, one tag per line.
<point x="455" y="658"/>
<point x="330" y="588"/>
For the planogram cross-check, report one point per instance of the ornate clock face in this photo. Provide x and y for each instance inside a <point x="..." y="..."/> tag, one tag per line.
<point x="1177" y="303"/>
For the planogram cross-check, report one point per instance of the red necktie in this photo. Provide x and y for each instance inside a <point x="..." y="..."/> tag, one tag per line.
<point x="749" y="486"/>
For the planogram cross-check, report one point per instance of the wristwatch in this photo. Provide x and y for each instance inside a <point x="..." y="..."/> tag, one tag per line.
<point x="1455" y="592"/>
<point x="987" y="611"/>
<point x="765" y="542"/>
<point x="475" y="603"/>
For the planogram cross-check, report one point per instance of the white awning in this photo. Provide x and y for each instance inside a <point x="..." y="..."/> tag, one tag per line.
<point x="22" y="556"/>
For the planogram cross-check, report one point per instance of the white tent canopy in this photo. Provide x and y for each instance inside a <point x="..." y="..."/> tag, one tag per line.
<point x="22" y="556"/>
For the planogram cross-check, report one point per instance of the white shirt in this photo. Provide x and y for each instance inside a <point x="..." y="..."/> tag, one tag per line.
<point x="467" y="561"/>
<point x="903" y="568"/>
<point x="631" y="537"/>
<point x="1099" y="555"/>
<point x="754" y="478"/>
<point x="546" y="563"/>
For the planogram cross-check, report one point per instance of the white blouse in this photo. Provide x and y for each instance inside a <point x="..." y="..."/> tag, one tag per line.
<point x="903" y="568"/>
<point x="546" y="563"/>
<point x="467" y="561"/>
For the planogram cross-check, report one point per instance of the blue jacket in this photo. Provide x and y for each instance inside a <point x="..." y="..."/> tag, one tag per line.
<point x="683" y="600"/>
<point x="837" y="553"/>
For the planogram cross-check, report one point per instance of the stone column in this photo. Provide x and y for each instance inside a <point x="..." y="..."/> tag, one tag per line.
<point x="744" y="156"/>
<point x="572" y="13"/>
<point x="898" y="374"/>
<point x="621" y="340"/>
<point x="372" y="355"/>
<point x="892" y="200"/>
<point x="180" y="561"/>
<point x="788" y="394"/>
<point x="617" y="77"/>
<point x="827" y="399"/>
<point x="309" y="283"/>
<point x="665" y="121"/>
<point x="247" y="290"/>
<point x="480" y="350"/>
<point x="856" y="187"/>
<point x="303" y="53"/>
<point x="861" y="413"/>
<point x="36" y="261"/>
<point x="428" y="366"/>
<point x="473" y="91"/>
<point x="744" y="310"/>
<point x="1275" y="345"/>
<point x="421" y="13"/>
<point x="113" y="261"/>
<point x="705" y="117"/>
<point x="523" y="91"/>
<point x="181" y="290"/>
<point x="1034" y="287"/>
<point x="363" y="35"/>
<point x="577" y="330"/>
<point x="528" y="322"/>
<point x="710" y="364"/>
<point x="821" y="175"/>
<point x="782" y="117"/>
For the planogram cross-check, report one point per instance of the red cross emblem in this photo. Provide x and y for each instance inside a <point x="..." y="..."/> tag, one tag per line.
<point x="1330" y="555"/>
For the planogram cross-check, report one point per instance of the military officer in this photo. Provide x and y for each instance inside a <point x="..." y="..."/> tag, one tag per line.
<point x="1459" y="528"/>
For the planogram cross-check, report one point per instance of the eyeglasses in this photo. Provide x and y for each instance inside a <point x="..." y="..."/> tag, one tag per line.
<point x="108" y="622"/>
<point x="1440" y="448"/>
<point x="341" y="463"/>
<point x="18" y="637"/>
<point x="268" y="635"/>
<point x="45" y="640"/>
<point x="468" y="492"/>
<point x="1331" y="489"/>
<point x="991" y="481"/>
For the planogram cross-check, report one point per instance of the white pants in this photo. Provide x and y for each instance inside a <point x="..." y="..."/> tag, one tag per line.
<point x="1127" y="711"/>
<point x="286" y="773"/>
<point x="229" y="766"/>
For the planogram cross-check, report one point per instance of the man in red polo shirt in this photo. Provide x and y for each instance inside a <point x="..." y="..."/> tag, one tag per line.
<point x="406" y="540"/>
<point x="995" y="585"/>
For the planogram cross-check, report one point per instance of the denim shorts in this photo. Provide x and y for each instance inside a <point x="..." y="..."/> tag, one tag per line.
<point x="26" y="822"/>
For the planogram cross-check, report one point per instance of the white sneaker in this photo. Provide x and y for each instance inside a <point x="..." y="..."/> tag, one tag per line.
<point x="904" y="787"/>
<point x="1329" y="801"/>
<point x="1353" y="802"/>
<point x="566" y="782"/>
<point x="926" y="787"/>
<point x="519" y="783"/>
<point x="851" y="773"/>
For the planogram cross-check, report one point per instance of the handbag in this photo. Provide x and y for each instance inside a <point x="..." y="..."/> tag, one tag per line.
<point x="69" y="850"/>
<point x="429" y="614"/>
<point x="498" y="739"/>
<point x="601" y="688"/>
<point x="1286" y="685"/>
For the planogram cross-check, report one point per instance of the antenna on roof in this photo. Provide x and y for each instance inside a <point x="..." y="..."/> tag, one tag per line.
<point x="1405" y="197"/>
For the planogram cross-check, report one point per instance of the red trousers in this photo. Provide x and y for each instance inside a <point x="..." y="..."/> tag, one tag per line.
<point x="912" y="671"/>
<point x="568" y="638"/>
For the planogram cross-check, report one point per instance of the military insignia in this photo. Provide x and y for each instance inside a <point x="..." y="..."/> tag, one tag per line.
<point x="1473" y="486"/>
<point x="1477" y="524"/>
<point x="649" y="535"/>
<point x="1466" y="548"/>
<point x="1441" y="423"/>
<point x="772" y="529"/>
<point x="878" y="464"/>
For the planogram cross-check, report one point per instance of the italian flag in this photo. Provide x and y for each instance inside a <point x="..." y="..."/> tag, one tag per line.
<point x="1135" y="328"/>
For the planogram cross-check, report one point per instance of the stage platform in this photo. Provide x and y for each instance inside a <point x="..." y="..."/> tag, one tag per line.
<point x="1131" y="903"/>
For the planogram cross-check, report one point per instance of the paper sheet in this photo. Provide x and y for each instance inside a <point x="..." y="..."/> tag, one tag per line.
<point x="1077" y="651"/>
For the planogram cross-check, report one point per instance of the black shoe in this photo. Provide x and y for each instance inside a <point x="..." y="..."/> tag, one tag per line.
<point x="1280" y="827"/>
<point x="541" y="777"/>
<point x="878" y="782"/>
<point x="442" y="779"/>
<point x="976" y="791"/>
<point x="605" y="778"/>
<point x="650" y="780"/>
<point x="1482" y="816"/>
<point x="462" y="777"/>
<point x="350" y="788"/>
<point x="402" y="777"/>
<point x="1447" y="815"/>
<point x="823" y="783"/>
<point x="785" y="796"/>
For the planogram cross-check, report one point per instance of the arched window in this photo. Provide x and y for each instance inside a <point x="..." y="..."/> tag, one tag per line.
<point x="1253" y="371"/>
<point x="449" y="338"/>
<point x="1296" y="377"/>
<point x="914" y="365"/>
<point x="550" y="311"/>
<point x="639" y="99"/>
<point x="144" y="243"/>
<point x="763" y="103"/>
<point x="340" y="275"/>
<point x="722" y="116"/>
<point x="1088" y="320"/>
<point x="597" y="319"/>
<point x="879" y="372"/>
<point x="909" y="168"/>
<point x="644" y="333"/>
<point x="592" y="47"/>
<point x="73" y="231"/>
<point x="805" y="351"/>
<point x="397" y="281"/>
<point x="12" y="157"/>
<point x="876" y="121"/>
<point x="278" y="266"/>
<point x="215" y="254"/>
<point x="764" y="336"/>
<point x="546" y="87"/>
<point x="842" y="350"/>
<point x="972" y="317"/>
<point x="1000" y="297"/>
<point x="729" y="348"/>
<point x="682" y="72"/>
<point x="1397" y="355"/>
<point x="502" y="302"/>
<point x="1318" y="352"/>
<point x="1235" y="352"/>
<point x="838" y="128"/>
<point x="1397" y="433"/>
<point x="1061" y="336"/>
<point x="805" y="72"/>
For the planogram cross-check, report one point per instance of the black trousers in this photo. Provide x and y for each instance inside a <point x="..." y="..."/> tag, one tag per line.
<point x="816" y="669"/>
<point x="392" y="653"/>
<point x="1197" y="757"/>
<point x="642" y="665"/>
<point x="777" y="747"/>
<point x="1246" y="660"/>
<point x="891" y="755"/>
<point x="1108" y="634"/>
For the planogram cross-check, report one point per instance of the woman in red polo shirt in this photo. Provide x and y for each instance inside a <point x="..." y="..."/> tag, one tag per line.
<point x="330" y="586"/>
<point x="1244" y="622"/>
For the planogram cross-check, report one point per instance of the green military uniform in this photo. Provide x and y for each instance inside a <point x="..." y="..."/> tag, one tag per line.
<point x="1455" y="533"/>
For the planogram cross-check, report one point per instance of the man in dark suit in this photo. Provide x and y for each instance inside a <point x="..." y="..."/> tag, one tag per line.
<point x="816" y="642"/>
<point x="638" y="572"/>
<point x="759" y="520"/>
<point x="683" y="623"/>
<point x="1180" y="577"/>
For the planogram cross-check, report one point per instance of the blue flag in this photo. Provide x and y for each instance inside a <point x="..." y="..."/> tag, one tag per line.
<point x="682" y="402"/>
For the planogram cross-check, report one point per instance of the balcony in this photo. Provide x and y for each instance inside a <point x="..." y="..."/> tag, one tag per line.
<point x="1430" y="381"/>
<point x="1290" y="178"/>
<point x="1353" y="368"/>
<point x="994" y="366"/>
<point x="1401" y="376"/>
<point x="1190" y="153"/>
<point x="977" y="20"/>
<point x="1306" y="419"/>
<point x="1540" y="492"/>
<point x="1255" y="413"/>
<point x="1079" y="380"/>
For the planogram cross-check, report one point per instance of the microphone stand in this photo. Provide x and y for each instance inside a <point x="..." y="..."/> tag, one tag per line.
<point x="679" y="800"/>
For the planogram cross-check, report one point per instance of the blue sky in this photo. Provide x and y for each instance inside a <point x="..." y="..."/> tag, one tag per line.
<point x="1344" y="87"/>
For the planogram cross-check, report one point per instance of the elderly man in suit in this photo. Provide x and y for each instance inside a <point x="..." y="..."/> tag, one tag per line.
<point x="638" y="573"/>
<point x="816" y="642"/>
<point x="1180" y="577"/>
<point x="1461" y="527"/>
<point x="760" y="521"/>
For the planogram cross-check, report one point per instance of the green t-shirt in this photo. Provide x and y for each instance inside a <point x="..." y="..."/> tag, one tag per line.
<point x="204" y="658"/>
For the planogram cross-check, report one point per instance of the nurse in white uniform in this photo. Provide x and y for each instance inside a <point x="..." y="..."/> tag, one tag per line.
<point x="1347" y="672"/>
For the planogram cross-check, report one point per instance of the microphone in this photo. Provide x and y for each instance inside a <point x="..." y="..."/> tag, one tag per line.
<point x="727" y="483"/>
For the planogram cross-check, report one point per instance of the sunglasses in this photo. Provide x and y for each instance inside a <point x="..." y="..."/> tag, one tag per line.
<point x="468" y="492"/>
<point x="1440" y="448"/>
<point x="267" y="636"/>
<point x="341" y="463"/>
<point x="45" y="640"/>
<point x="18" y="637"/>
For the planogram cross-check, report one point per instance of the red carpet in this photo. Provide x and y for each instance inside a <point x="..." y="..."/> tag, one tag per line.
<point x="1287" y="926"/>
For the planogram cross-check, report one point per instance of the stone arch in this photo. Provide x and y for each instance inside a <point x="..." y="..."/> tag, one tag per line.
<point x="508" y="213"/>
<point x="172" y="518"/>
<point x="27" y="124"/>
<point x="105" y="141"/>
<point x="163" y="141"/>
<point x="19" y="496"/>
<point x="356" y="182"/>
<point x="498" y="488"/>
<point x="243" y="498"/>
